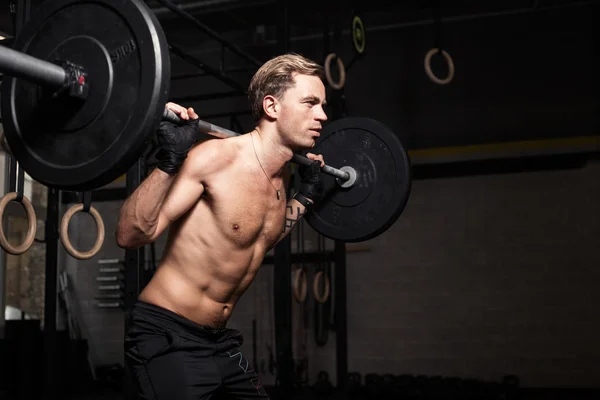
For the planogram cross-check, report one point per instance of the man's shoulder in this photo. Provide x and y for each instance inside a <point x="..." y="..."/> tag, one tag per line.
<point x="214" y="154"/>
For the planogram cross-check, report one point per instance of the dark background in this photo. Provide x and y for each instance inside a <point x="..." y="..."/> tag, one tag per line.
<point x="523" y="69"/>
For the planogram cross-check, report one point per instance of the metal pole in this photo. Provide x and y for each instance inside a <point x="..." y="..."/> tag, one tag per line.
<point x="50" y="295"/>
<point x="189" y="17"/>
<point x="215" y="5"/>
<point x="282" y="272"/>
<point x="339" y="297"/>
<point x="206" y="97"/>
<point x="231" y="70"/>
<point x="3" y="258"/>
<point x="208" y="69"/>
<point x="341" y="317"/>
<point x="20" y="65"/>
<point x="134" y="264"/>
<point x="21" y="16"/>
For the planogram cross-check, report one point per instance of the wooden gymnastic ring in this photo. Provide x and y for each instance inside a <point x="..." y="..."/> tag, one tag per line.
<point x="299" y="285"/>
<point x="31" y="229"/>
<point x="64" y="233"/>
<point x="325" y="296"/>
<point x="340" y="84"/>
<point x="430" y="73"/>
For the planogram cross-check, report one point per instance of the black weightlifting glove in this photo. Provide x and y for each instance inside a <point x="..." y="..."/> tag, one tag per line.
<point x="310" y="176"/>
<point x="175" y="141"/>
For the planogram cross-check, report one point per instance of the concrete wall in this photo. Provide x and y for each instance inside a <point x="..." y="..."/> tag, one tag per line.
<point x="483" y="276"/>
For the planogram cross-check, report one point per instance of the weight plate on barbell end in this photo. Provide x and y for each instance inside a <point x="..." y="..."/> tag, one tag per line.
<point x="78" y="145"/>
<point x="383" y="185"/>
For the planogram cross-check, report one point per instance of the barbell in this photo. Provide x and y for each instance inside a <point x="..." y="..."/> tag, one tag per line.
<point x="85" y="87"/>
<point x="364" y="197"/>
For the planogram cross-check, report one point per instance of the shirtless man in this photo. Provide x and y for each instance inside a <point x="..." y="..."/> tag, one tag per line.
<point x="225" y="203"/>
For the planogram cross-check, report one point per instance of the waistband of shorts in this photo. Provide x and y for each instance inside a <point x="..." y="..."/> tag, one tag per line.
<point x="174" y="320"/>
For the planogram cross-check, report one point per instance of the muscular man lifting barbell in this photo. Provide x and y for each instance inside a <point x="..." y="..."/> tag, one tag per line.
<point x="80" y="103"/>
<point x="226" y="205"/>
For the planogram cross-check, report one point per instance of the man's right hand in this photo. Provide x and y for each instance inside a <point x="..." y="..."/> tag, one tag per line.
<point x="176" y="140"/>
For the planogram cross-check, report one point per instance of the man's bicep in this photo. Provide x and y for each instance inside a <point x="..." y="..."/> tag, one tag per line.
<point x="183" y="195"/>
<point x="202" y="162"/>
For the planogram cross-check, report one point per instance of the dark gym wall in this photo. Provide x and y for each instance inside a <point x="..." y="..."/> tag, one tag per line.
<point x="524" y="76"/>
<point x="482" y="275"/>
<point x="521" y="77"/>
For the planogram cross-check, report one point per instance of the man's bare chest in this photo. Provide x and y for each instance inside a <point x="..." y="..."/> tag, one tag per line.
<point x="248" y="209"/>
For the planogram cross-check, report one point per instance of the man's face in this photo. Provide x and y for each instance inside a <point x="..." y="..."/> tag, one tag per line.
<point x="301" y="113"/>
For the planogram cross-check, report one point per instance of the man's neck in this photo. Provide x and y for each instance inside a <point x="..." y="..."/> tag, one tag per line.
<point x="271" y="152"/>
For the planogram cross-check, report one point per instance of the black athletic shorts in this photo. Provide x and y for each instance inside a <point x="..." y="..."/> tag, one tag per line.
<point x="172" y="358"/>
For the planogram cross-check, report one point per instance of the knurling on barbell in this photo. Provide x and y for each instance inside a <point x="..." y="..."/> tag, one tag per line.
<point x="31" y="228"/>
<point x="64" y="233"/>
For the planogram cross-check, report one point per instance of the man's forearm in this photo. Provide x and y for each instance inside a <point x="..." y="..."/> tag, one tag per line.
<point x="139" y="214"/>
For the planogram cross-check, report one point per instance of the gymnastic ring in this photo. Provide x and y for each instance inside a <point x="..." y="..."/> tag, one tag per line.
<point x="299" y="285"/>
<point x="325" y="296"/>
<point x="339" y="84"/>
<point x="31" y="229"/>
<point x="430" y="73"/>
<point x="64" y="233"/>
<point x="358" y="35"/>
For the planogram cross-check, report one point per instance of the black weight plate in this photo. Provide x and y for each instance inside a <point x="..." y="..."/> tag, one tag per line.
<point x="79" y="145"/>
<point x="381" y="190"/>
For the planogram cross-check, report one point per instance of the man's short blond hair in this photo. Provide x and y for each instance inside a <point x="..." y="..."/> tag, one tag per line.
<point x="276" y="76"/>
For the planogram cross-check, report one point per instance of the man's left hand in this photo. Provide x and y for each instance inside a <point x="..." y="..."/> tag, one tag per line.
<point x="316" y="157"/>
<point x="310" y="174"/>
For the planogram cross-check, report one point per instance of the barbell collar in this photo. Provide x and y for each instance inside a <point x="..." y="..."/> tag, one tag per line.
<point x="20" y="65"/>
<point x="217" y="131"/>
<point x="67" y="78"/>
<point x="352" y="175"/>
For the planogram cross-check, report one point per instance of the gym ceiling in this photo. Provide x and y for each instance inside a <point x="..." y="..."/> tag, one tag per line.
<point x="307" y="16"/>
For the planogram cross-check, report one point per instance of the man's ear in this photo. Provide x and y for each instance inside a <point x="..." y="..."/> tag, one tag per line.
<point x="271" y="107"/>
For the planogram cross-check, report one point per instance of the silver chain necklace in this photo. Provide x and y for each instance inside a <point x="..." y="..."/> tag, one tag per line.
<point x="261" y="167"/>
